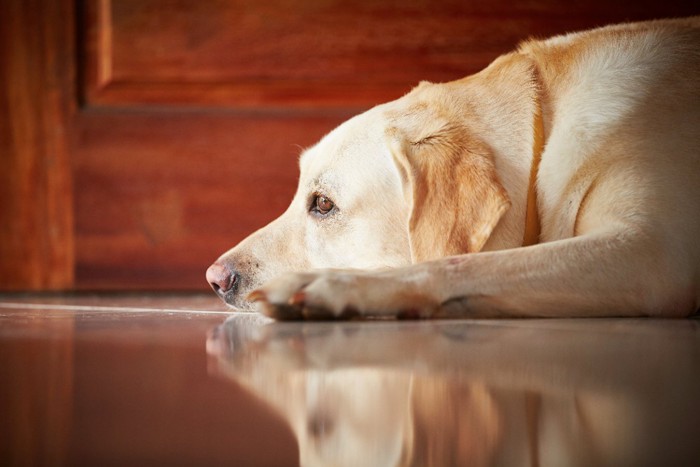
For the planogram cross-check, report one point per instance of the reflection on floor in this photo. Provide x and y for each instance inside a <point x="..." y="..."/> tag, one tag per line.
<point x="176" y="379"/>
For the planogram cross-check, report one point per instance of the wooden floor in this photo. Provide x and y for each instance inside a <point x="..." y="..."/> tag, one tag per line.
<point x="176" y="380"/>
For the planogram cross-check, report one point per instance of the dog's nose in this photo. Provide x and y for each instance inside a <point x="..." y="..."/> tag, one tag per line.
<point x="221" y="278"/>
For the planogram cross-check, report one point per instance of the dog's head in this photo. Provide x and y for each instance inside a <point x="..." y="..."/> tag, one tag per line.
<point x="411" y="180"/>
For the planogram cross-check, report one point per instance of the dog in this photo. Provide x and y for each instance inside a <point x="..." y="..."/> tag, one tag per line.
<point x="560" y="181"/>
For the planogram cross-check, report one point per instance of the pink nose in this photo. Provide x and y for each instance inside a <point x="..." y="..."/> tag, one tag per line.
<point x="221" y="278"/>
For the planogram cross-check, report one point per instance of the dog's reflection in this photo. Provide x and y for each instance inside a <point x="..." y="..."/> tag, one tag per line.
<point x="447" y="393"/>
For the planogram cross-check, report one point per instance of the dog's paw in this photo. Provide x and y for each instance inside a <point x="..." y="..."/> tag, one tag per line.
<point x="333" y="294"/>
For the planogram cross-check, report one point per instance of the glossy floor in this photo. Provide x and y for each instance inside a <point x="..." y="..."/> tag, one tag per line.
<point x="175" y="380"/>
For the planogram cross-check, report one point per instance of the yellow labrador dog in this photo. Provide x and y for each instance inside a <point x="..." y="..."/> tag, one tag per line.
<point x="561" y="181"/>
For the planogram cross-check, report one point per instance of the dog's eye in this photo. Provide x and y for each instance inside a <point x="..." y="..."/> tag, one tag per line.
<point x="322" y="205"/>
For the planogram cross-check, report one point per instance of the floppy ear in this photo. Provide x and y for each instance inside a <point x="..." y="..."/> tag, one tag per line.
<point x="445" y="140"/>
<point x="456" y="197"/>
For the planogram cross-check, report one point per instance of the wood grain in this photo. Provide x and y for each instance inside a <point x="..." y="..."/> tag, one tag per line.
<point x="315" y="53"/>
<point x="36" y="101"/>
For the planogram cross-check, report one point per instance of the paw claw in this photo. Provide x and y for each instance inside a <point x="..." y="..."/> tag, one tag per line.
<point x="257" y="296"/>
<point x="297" y="299"/>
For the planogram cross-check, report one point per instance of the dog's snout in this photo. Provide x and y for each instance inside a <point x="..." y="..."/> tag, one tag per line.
<point x="221" y="278"/>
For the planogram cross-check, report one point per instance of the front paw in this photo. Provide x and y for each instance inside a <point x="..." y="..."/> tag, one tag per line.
<point x="336" y="294"/>
<point x="318" y="295"/>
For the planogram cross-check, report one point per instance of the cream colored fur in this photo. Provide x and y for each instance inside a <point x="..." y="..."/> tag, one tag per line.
<point x="430" y="192"/>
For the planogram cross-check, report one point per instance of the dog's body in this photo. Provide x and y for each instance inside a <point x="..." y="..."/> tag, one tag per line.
<point x="560" y="181"/>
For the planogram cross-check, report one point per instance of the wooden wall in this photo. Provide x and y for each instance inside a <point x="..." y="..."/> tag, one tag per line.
<point x="142" y="138"/>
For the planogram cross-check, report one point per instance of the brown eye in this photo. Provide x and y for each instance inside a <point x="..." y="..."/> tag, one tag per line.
<point x="323" y="205"/>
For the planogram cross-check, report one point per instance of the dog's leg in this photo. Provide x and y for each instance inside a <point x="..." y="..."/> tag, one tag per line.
<point x="616" y="273"/>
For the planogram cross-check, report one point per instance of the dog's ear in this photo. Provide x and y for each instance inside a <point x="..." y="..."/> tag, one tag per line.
<point x="446" y="139"/>
<point x="451" y="184"/>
